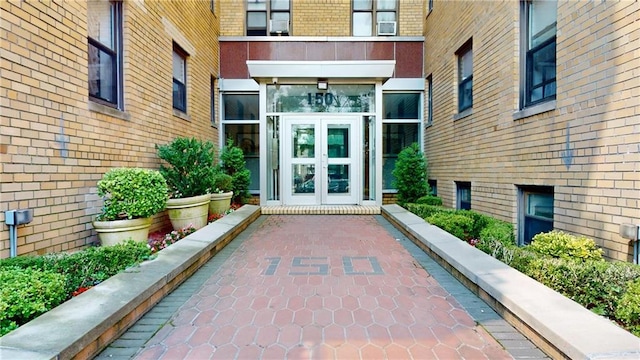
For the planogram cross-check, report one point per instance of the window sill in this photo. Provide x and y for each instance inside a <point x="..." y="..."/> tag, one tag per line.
<point x="534" y="110"/>
<point x="181" y="115"/>
<point x="464" y="114"/>
<point x="108" y="110"/>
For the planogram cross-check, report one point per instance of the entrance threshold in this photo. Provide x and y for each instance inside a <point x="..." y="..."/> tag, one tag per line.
<point x="321" y="210"/>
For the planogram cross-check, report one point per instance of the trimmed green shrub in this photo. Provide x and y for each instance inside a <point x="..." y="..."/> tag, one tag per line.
<point x="597" y="285"/>
<point x="457" y="225"/>
<point x="499" y="230"/>
<point x="410" y="175"/>
<point x="232" y="163"/>
<point x="562" y="245"/>
<point x="191" y="166"/>
<point x="222" y="183"/>
<point x="26" y="294"/>
<point x="479" y="222"/>
<point x="628" y="311"/>
<point x="85" y="268"/>
<point x="131" y="193"/>
<point x="429" y="200"/>
<point x="424" y="211"/>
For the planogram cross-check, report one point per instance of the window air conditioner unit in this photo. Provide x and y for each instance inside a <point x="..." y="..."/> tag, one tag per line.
<point x="279" y="26"/>
<point x="386" y="27"/>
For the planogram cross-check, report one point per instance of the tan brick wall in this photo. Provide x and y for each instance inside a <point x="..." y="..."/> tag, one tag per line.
<point x="44" y="95"/>
<point x="322" y="17"/>
<point x="598" y="102"/>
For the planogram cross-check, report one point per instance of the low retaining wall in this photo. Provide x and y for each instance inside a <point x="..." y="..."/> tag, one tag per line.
<point x="83" y="326"/>
<point x="556" y="324"/>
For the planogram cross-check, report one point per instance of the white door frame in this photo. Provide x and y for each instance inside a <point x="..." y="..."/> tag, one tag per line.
<point x="320" y="182"/>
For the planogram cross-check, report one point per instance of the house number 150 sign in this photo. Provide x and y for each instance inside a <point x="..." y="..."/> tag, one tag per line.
<point x="319" y="265"/>
<point x="320" y="99"/>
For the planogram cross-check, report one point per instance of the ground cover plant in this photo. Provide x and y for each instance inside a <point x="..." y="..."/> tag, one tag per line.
<point x="571" y="265"/>
<point x="33" y="285"/>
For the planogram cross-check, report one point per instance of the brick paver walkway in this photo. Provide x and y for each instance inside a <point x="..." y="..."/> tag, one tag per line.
<point x="322" y="287"/>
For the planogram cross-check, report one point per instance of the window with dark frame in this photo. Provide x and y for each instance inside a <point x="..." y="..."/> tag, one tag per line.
<point x="179" y="78"/>
<point x="365" y="12"/>
<point x="465" y="76"/>
<point x="213" y="101"/>
<point x="535" y="212"/>
<point x="240" y="122"/>
<point x="463" y="195"/>
<point x="268" y="17"/>
<point x="400" y="128"/>
<point x="433" y="187"/>
<point x="429" y="100"/>
<point x="105" y="52"/>
<point x="539" y="42"/>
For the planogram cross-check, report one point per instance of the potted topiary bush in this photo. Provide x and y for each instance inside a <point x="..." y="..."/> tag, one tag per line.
<point x="189" y="171"/>
<point x="131" y="197"/>
<point x="232" y="163"/>
<point x="222" y="193"/>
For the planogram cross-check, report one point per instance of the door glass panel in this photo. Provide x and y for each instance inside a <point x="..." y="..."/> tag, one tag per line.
<point x="303" y="179"/>
<point x="303" y="138"/>
<point x="338" y="141"/>
<point x="339" y="179"/>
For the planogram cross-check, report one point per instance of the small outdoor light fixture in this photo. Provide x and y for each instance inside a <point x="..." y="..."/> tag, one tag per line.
<point x="632" y="232"/>
<point x="323" y="84"/>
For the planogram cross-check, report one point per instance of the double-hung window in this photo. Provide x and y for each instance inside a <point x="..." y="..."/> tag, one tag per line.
<point x="374" y="17"/>
<point x="539" y="83"/>
<point x="465" y="77"/>
<point x="535" y="212"/>
<point x="429" y="100"/>
<point x="179" y="79"/>
<point x="104" y="22"/>
<point x="268" y="17"/>
<point x="463" y="195"/>
<point x="400" y="128"/>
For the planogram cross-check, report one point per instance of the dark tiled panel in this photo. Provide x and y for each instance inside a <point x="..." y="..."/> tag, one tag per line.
<point x="234" y="57"/>
<point x="409" y="60"/>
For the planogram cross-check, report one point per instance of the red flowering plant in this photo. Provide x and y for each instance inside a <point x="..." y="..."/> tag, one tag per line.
<point x="158" y="243"/>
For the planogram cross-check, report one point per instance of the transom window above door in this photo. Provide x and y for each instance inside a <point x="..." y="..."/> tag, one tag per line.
<point x="268" y="17"/>
<point x="374" y="17"/>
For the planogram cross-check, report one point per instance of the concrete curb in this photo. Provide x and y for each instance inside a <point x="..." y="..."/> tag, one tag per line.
<point x="558" y="325"/>
<point x="86" y="324"/>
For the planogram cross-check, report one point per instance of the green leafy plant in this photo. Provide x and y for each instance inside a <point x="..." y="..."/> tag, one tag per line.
<point x="222" y="182"/>
<point x="410" y="175"/>
<point x="457" y="225"/>
<point x="73" y="271"/>
<point x="628" y="310"/>
<point x="191" y="166"/>
<point x="232" y="163"/>
<point x="429" y="200"/>
<point x="424" y="210"/>
<point x="131" y="193"/>
<point x="26" y="294"/>
<point x="563" y="245"/>
<point x="501" y="231"/>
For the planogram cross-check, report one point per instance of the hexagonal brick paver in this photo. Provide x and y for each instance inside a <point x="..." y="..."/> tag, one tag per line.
<point x="321" y="287"/>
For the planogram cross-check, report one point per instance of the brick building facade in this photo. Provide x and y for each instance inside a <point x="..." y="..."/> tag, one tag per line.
<point x="57" y="140"/>
<point x="579" y="148"/>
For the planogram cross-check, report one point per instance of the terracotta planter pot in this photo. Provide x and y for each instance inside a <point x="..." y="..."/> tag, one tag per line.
<point x="117" y="231"/>
<point x="189" y="211"/>
<point x="220" y="203"/>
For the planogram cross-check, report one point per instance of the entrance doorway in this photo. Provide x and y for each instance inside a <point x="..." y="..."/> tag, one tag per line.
<point x="321" y="160"/>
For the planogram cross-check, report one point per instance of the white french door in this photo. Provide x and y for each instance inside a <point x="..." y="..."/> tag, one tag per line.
<point x="321" y="160"/>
